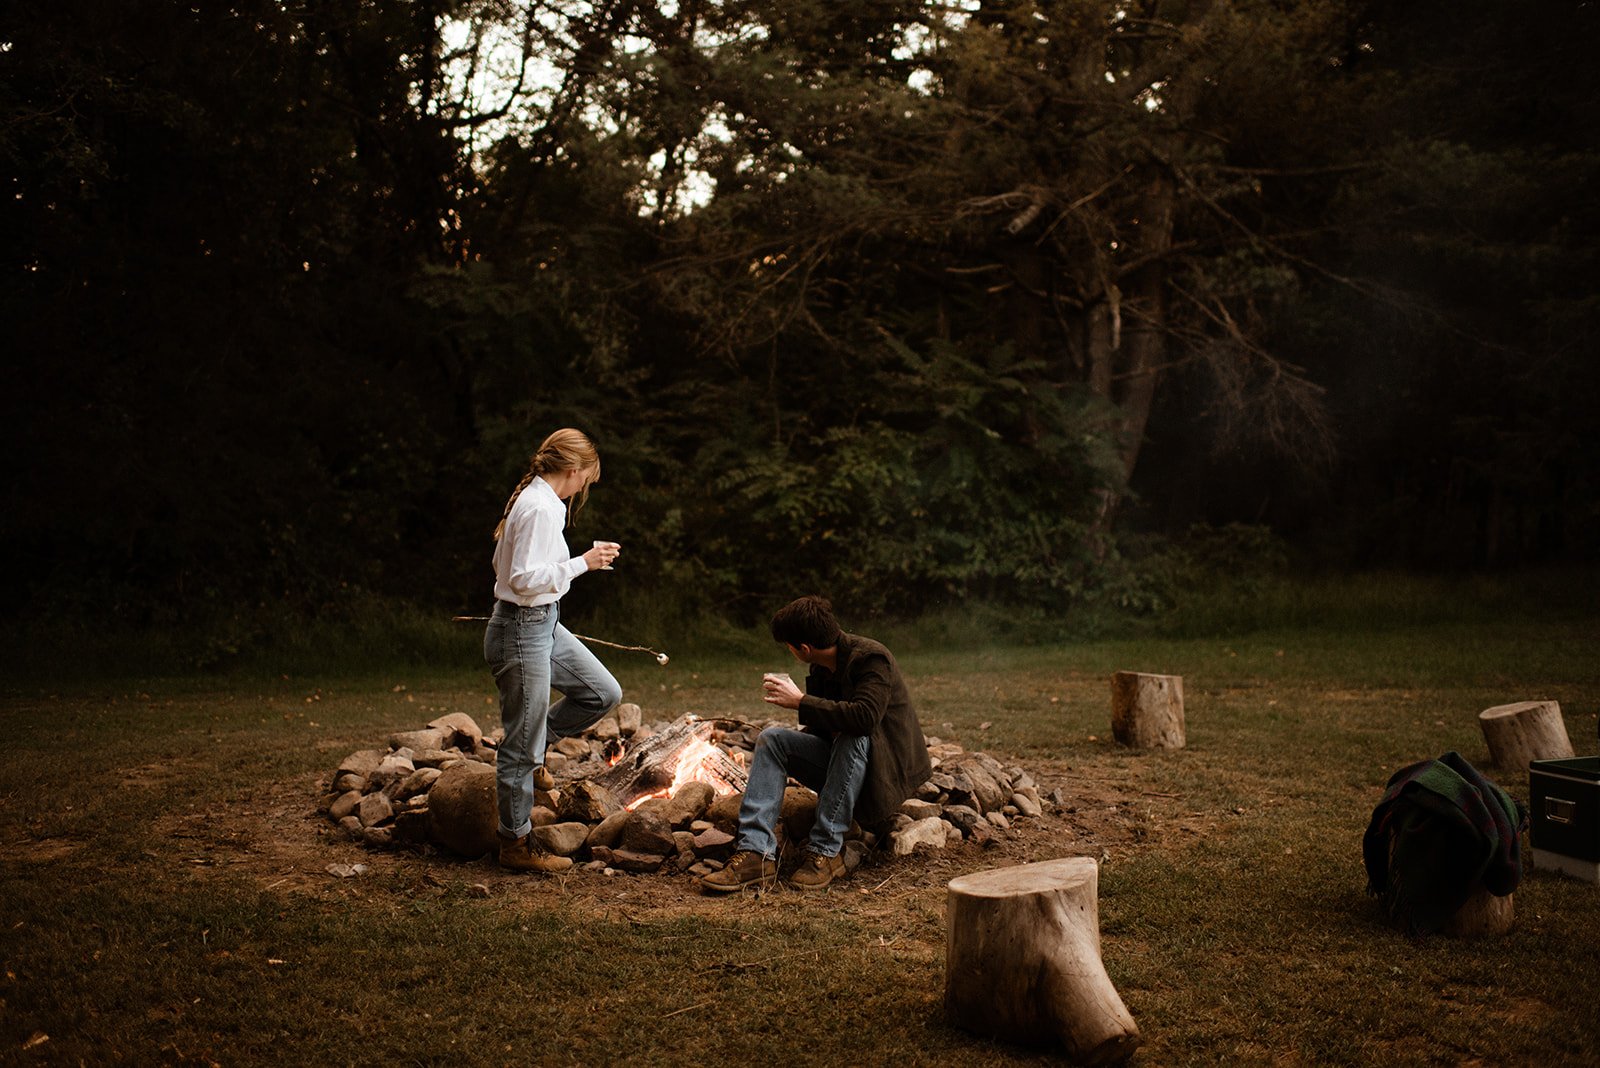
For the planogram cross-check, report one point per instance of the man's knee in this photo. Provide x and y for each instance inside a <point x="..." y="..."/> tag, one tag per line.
<point x="773" y="744"/>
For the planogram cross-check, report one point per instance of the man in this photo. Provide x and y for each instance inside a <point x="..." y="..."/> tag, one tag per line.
<point x="860" y="747"/>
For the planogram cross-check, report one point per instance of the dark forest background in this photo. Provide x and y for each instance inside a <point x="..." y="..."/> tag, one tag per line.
<point x="917" y="304"/>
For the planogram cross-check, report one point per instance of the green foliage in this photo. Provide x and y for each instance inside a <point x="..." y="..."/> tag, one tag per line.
<point x="874" y="298"/>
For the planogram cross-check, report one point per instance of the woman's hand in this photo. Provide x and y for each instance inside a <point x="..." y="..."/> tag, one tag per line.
<point x="780" y="690"/>
<point x="601" y="555"/>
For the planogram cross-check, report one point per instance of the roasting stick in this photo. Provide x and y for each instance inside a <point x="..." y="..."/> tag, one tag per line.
<point x="661" y="658"/>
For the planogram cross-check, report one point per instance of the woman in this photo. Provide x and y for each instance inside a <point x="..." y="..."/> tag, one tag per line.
<point x="526" y="646"/>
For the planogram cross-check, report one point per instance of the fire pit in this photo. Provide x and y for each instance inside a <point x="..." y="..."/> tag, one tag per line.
<point x="639" y="798"/>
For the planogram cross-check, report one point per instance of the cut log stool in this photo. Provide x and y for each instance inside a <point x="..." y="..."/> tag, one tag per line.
<point x="1022" y="960"/>
<point x="1147" y="710"/>
<point x="1525" y="731"/>
<point x="1482" y="915"/>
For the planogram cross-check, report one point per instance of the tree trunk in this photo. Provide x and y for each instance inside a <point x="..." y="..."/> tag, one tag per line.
<point x="1525" y="731"/>
<point x="1147" y="710"/>
<point x="1022" y="960"/>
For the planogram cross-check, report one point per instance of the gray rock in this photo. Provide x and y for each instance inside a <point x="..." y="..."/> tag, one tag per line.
<point x="412" y="826"/>
<point x="853" y="853"/>
<point x="562" y="839"/>
<point x="435" y="758"/>
<point x="628" y="860"/>
<point x="416" y="783"/>
<point x="699" y="826"/>
<point x="700" y="868"/>
<point x="362" y="762"/>
<point x="378" y="836"/>
<point x="346" y="781"/>
<point x="629" y="717"/>
<point x="985" y="791"/>
<point x="555" y="762"/>
<point x="1027" y="805"/>
<point x="605" y="730"/>
<point x="351" y="825"/>
<point x="685" y="844"/>
<point x="576" y="748"/>
<point x="929" y="791"/>
<point x="713" y="841"/>
<point x="999" y="820"/>
<point x="374" y="809"/>
<point x="608" y="832"/>
<point x="392" y="767"/>
<point x="943" y="781"/>
<point x="798" y="813"/>
<point x="461" y="810"/>
<point x="690" y="803"/>
<point x="587" y="802"/>
<point x="465" y="729"/>
<point x="993" y="767"/>
<point x="539" y="816"/>
<point x="953" y="836"/>
<point x="419" y="741"/>
<point x="724" y="812"/>
<point x="929" y="832"/>
<point x="647" y="833"/>
<point x="963" y="817"/>
<point x="918" y="809"/>
<point x="344" y="805"/>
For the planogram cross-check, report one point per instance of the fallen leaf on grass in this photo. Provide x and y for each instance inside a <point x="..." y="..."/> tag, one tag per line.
<point x="346" y="871"/>
<point x="38" y="1038"/>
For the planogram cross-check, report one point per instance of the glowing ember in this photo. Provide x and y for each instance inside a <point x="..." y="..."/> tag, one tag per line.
<point x="702" y="761"/>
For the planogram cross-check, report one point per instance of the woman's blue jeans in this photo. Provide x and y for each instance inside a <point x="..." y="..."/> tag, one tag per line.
<point x="835" y="767"/>
<point x="530" y="652"/>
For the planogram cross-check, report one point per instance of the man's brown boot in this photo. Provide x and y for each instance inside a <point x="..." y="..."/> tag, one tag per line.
<point x="817" y="871"/>
<point x="745" y="869"/>
<point x="524" y="854"/>
<point x="542" y="779"/>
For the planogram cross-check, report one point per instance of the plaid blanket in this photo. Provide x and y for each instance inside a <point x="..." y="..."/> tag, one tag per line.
<point x="1441" y="830"/>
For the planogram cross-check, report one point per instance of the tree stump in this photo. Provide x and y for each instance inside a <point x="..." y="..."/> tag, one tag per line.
<point x="1022" y="960"/>
<point x="1147" y="710"/>
<point x="1525" y="731"/>
<point x="1483" y="915"/>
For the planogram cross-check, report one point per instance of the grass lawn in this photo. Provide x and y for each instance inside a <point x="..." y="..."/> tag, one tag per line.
<point x="164" y="895"/>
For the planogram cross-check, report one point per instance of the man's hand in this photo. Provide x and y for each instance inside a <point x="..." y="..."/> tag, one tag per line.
<point x="780" y="690"/>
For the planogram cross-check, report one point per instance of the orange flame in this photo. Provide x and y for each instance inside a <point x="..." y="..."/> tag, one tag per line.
<point x="696" y="763"/>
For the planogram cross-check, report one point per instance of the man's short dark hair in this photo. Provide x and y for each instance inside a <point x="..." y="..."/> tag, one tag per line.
<point x="806" y="621"/>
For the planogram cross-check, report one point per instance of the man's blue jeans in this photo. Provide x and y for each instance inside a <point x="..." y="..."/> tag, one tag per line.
<point x="529" y="652"/>
<point x="834" y="767"/>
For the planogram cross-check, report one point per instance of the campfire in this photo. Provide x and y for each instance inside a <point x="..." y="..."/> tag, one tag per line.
<point x="663" y="763"/>
<point x="636" y="797"/>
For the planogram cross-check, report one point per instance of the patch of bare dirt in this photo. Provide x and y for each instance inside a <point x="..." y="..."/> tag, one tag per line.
<point x="278" y="837"/>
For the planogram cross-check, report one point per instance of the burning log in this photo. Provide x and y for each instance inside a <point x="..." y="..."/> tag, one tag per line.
<point x="665" y="761"/>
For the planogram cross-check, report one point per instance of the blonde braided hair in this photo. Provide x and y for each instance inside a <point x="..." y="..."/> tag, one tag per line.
<point x="565" y="450"/>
